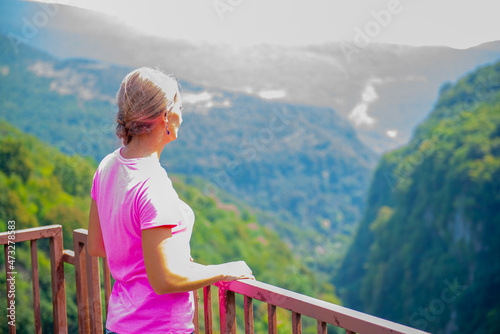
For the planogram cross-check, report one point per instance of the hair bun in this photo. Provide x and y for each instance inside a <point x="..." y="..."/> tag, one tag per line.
<point x="143" y="97"/>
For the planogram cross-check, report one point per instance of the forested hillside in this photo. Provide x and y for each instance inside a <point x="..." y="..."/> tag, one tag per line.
<point x="41" y="186"/>
<point x="427" y="249"/>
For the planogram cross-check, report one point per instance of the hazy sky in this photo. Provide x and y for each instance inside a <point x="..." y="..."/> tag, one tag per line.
<point x="456" y="23"/>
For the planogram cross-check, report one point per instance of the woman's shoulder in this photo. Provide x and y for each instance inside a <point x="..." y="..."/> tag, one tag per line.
<point x="158" y="177"/>
<point x="107" y="160"/>
<point x="111" y="156"/>
<point x="157" y="189"/>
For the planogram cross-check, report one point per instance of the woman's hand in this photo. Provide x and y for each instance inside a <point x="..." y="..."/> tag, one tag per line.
<point x="236" y="270"/>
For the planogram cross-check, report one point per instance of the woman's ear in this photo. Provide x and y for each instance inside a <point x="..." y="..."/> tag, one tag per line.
<point x="174" y="119"/>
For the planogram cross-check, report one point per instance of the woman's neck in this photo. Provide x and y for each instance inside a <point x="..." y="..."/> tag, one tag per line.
<point x="141" y="147"/>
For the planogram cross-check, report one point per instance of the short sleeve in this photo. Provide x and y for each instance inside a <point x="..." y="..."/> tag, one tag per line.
<point x="158" y="203"/>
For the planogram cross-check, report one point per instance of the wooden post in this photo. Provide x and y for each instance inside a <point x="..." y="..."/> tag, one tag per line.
<point x="36" y="288"/>
<point x="248" y="315"/>
<point x="196" y="320"/>
<point x="272" y="321"/>
<point x="207" y="305"/>
<point x="296" y="323"/>
<point x="227" y="309"/>
<point x="107" y="283"/>
<point x="81" y="282"/>
<point x="322" y="327"/>
<point x="58" y="286"/>
<point x="94" y="291"/>
<point x="10" y="296"/>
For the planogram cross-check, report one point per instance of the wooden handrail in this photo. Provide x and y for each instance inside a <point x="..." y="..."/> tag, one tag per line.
<point x="34" y="233"/>
<point x="354" y="321"/>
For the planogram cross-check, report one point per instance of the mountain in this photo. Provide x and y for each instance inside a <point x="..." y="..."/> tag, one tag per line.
<point x="426" y="252"/>
<point x="302" y="166"/>
<point x="383" y="90"/>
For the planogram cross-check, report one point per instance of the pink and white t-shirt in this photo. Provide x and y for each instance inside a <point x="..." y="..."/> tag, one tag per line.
<point x="132" y="195"/>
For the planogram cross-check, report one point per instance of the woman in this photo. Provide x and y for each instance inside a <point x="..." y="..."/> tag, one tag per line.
<point x="138" y="222"/>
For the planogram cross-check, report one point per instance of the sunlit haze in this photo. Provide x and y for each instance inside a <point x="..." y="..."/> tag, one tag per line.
<point x="459" y="24"/>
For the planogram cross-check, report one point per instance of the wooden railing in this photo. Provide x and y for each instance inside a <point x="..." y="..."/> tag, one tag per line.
<point x="55" y="235"/>
<point x="89" y="301"/>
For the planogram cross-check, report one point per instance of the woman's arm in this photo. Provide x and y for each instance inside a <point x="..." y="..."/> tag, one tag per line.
<point x="169" y="272"/>
<point x="95" y="244"/>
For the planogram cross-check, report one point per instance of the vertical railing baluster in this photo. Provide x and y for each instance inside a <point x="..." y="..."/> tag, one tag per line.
<point x="36" y="288"/>
<point x="227" y="310"/>
<point x="10" y="296"/>
<point x="248" y="315"/>
<point x="94" y="291"/>
<point x="81" y="282"/>
<point x="322" y="327"/>
<point x="196" y="320"/>
<point x="107" y="283"/>
<point x="58" y="286"/>
<point x="207" y="308"/>
<point x="271" y="319"/>
<point x="296" y="323"/>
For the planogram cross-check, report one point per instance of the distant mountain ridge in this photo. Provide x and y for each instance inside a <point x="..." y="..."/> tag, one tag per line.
<point x="426" y="252"/>
<point x="384" y="90"/>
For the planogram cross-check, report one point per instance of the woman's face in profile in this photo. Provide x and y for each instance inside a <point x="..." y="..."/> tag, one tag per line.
<point x="175" y="115"/>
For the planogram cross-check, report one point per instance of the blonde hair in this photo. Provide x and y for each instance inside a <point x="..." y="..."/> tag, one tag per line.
<point x="144" y="95"/>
